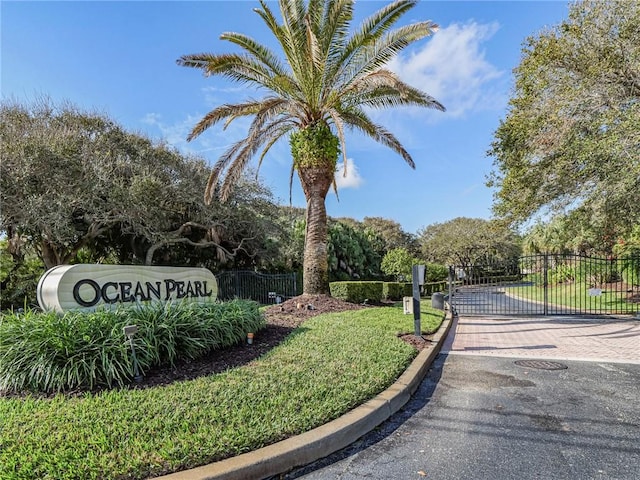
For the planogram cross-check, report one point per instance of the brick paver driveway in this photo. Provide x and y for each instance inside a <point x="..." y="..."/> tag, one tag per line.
<point x="562" y="338"/>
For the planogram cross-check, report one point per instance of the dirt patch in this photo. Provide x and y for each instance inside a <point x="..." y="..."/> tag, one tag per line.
<point x="419" y="343"/>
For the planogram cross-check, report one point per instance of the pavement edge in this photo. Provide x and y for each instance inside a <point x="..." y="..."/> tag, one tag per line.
<point x="322" y="441"/>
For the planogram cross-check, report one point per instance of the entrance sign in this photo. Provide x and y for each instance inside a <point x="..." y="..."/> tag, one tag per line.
<point x="86" y="287"/>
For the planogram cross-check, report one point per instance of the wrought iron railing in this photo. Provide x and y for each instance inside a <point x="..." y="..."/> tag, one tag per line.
<point x="262" y="287"/>
<point x="550" y="284"/>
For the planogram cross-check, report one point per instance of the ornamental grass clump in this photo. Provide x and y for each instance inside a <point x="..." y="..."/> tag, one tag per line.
<point x="48" y="352"/>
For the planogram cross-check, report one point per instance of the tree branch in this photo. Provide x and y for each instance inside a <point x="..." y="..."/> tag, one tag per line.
<point x="203" y="244"/>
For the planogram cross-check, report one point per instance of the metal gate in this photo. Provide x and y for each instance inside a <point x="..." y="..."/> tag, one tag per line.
<point x="549" y="284"/>
<point x="262" y="287"/>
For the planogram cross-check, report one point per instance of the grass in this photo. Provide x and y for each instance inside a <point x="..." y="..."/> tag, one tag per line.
<point x="329" y="365"/>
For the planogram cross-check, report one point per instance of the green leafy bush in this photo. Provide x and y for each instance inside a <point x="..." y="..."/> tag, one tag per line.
<point x="391" y="291"/>
<point x="628" y="252"/>
<point x="396" y="290"/>
<point x="597" y="272"/>
<point x="48" y="352"/>
<point x="357" y="292"/>
<point x="561" y="274"/>
<point x="436" y="272"/>
<point x="18" y="280"/>
<point x="398" y="263"/>
<point x="433" y="287"/>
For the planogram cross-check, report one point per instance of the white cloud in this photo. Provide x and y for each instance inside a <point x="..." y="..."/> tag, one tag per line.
<point x="469" y="190"/>
<point x="352" y="178"/>
<point x="174" y="134"/>
<point x="452" y="68"/>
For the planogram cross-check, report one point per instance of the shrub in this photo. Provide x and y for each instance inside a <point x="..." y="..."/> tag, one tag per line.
<point x="436" y="272"/>
<point x="18" y="281"/>
<point x="597" y="272"/>
<point x="357" y="292"/>
<point x="561" y="274"/>
<point x="396" y="290"/>
<point x="392" y="290"/>
<point x="48" y="352"/>
<point x="398" y="263"/>
<point x="433" y="287"/>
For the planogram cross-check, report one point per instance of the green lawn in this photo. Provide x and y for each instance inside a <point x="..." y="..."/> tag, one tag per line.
<point x="329" y="365"/>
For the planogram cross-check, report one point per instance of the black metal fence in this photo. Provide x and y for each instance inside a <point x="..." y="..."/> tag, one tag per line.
<point x="550" y="284"/>
<point x="261" y="287"/>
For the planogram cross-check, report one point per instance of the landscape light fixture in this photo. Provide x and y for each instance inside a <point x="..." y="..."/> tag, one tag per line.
<point x="129" y="331"/>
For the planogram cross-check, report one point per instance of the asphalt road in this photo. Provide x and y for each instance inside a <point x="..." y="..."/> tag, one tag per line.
<point x="481" y="417"/>
<point x="492" y="300"/>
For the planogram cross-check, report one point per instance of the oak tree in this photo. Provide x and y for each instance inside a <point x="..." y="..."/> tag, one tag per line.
<point x="571" y="137"/>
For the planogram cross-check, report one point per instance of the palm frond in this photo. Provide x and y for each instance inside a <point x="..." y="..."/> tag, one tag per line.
<point x="368" y="33"/>
<point x="269" y="18"/>
<point x="236" y="158"/>
<point x="236" y="168"/>
<point x="291" y="175"/>
<point x="249" y="146"/>
<point x="257" y="50"/>
<point x="339" y="124"/>
<point x="294" y="38"/>
<point x="315" y="53"/>
<point x="334" y="186"/>
<point x="356" y="118"/>
<point x="195" y="60"/>
<point x="383" y="88"/>
<point x="296" y="10"/>
<point x="285" y="130"/>
<point x="230" y="111"/>
<point x="217" y="170"/>
<point x="241" y="68"/>
<point x="378" y="23"/>
<point x="315" y="12"/>
<point x="338" y="16"/>
<point x="372" y="58"/>
<point x="281" y="33"/>
<point x="264" y="109"/>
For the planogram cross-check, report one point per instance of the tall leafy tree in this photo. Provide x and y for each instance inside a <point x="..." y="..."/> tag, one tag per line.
<point x="468" y="241"/>
<point x="351" y="252"/>
<point x="572" y="233"/>
<point x="325" y="81"/>
<point x="74" y="182"/>
<point x="571" y="137"/>
<point x="392" y="234"/>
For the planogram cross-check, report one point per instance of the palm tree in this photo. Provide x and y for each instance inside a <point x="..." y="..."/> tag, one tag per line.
<point x="327" y="82"/>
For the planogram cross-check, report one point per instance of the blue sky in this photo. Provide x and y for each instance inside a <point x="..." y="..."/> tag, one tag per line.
<point x="118" y="57"/>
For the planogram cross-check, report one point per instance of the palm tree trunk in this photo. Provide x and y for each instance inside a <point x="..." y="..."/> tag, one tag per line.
<point x="315" y="184"/>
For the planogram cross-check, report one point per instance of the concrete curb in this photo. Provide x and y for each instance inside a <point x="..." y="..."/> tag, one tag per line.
<point x="324" y="440"/>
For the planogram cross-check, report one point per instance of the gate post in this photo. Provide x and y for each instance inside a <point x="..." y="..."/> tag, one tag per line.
<point x="416" y="300"/>
<point x="545" y="283"/>
<point x="451" y="272"/>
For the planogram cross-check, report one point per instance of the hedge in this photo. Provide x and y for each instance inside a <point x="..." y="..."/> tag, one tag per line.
<point x="357" y="292"/>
